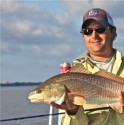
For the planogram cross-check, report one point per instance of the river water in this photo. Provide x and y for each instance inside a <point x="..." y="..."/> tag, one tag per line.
<point x="14" y="104"/>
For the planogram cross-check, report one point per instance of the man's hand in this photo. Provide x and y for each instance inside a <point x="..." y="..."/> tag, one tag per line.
<point x="121" y="98"/>
<point x="119" y="107"/>
<point x="67" y="105"/>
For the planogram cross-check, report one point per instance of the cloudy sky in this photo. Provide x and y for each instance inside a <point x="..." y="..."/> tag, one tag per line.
<point x="38" y="35"/>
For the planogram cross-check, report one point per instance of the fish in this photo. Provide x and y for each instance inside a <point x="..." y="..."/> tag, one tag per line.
<point x="82" y="87"/>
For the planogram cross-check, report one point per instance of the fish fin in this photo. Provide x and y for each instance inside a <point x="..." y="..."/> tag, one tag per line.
<point x="117" y="107"/>
<point x="110" y="76"/>
<point x="102" y="73"/>
<point x="61" y="100"/>
<point x="76" y="99"/>
<point x="79" y="68"/>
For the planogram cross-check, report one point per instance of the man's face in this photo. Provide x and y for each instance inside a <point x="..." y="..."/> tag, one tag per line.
<point x="99" y="43"/>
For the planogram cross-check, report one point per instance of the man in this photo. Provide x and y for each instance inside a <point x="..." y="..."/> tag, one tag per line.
<point x="99" y="33"/>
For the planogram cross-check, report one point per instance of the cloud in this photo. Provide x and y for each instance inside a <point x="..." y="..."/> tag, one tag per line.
<point x="112" y="6"/>
<point x="20" y="28"/>
<point x="37" y="36"/>
<point x="6" y="48"/>
<point x="25" y="24"/>
<point x="57" y="51"/>
<point x="119" y="22"/>
<point x="9" y="6"/>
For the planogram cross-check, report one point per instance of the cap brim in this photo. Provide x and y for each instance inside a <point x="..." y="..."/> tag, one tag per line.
<point x="101" y="21"/>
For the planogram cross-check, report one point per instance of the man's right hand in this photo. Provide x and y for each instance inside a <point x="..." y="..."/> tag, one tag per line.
<point x="67" y="105"/>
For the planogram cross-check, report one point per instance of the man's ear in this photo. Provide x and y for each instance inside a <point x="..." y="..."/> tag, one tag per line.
<point x="113" y="30"/>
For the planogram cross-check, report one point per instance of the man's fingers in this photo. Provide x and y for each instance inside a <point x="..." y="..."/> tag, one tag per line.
<point x="121" y="97"/>
<point x="55" y="106"/>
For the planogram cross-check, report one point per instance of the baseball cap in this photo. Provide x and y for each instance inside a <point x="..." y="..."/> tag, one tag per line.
<point x="99" y="15"/>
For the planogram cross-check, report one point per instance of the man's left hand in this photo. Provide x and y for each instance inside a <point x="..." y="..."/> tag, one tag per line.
<point x="119" y="107"/>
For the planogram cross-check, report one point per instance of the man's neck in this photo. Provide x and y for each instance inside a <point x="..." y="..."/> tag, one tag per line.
<point x="100" y="57"/>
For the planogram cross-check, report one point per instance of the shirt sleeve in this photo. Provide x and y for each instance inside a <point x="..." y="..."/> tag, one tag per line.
<point x="109" y="117"/>
<point x="79" y="119"/>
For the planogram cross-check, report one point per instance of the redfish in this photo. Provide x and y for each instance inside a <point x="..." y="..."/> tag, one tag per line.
<point x="83" y="88"/>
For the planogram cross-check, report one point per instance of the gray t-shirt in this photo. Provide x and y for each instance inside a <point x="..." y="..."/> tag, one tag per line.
<point x="106" y="65"/>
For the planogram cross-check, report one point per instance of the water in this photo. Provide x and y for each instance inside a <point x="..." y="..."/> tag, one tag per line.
<point x="14" y="103"/>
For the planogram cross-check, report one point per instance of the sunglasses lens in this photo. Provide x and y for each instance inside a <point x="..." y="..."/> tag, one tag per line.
<point x="100" y="30"/>
<point x="87" y="31"/>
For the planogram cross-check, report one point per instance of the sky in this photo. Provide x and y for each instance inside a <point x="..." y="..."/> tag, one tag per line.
<point x="36" y="36"/>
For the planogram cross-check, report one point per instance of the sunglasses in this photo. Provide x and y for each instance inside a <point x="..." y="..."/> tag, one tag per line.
<point x="99" y="30"/>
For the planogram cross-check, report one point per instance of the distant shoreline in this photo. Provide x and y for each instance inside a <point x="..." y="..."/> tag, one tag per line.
<point x="19" y="84"/>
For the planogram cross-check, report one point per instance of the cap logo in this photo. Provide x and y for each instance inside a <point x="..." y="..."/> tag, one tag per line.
<point x="93" y="12"/>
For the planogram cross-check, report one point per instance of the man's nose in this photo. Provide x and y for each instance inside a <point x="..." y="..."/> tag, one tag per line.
<point x="94" y="33"/>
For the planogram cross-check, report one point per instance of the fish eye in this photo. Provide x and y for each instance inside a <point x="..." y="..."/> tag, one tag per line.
<point x="39" y="91"/>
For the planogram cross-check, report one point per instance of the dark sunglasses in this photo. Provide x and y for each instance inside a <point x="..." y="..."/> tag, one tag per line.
<point x="99" y="30"/>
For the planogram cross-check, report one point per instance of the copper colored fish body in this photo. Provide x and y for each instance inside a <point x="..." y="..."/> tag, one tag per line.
<point x="90" y="88"/>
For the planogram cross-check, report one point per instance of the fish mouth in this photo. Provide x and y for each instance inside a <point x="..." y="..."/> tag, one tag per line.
<point x="37" y="100"/>
<point x="33" y="99"/>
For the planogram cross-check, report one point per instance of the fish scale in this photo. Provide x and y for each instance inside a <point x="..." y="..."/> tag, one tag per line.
<point x="91" y="91"/>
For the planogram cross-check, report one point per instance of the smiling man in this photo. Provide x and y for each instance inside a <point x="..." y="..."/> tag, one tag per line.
<point x="99" y="33"/>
